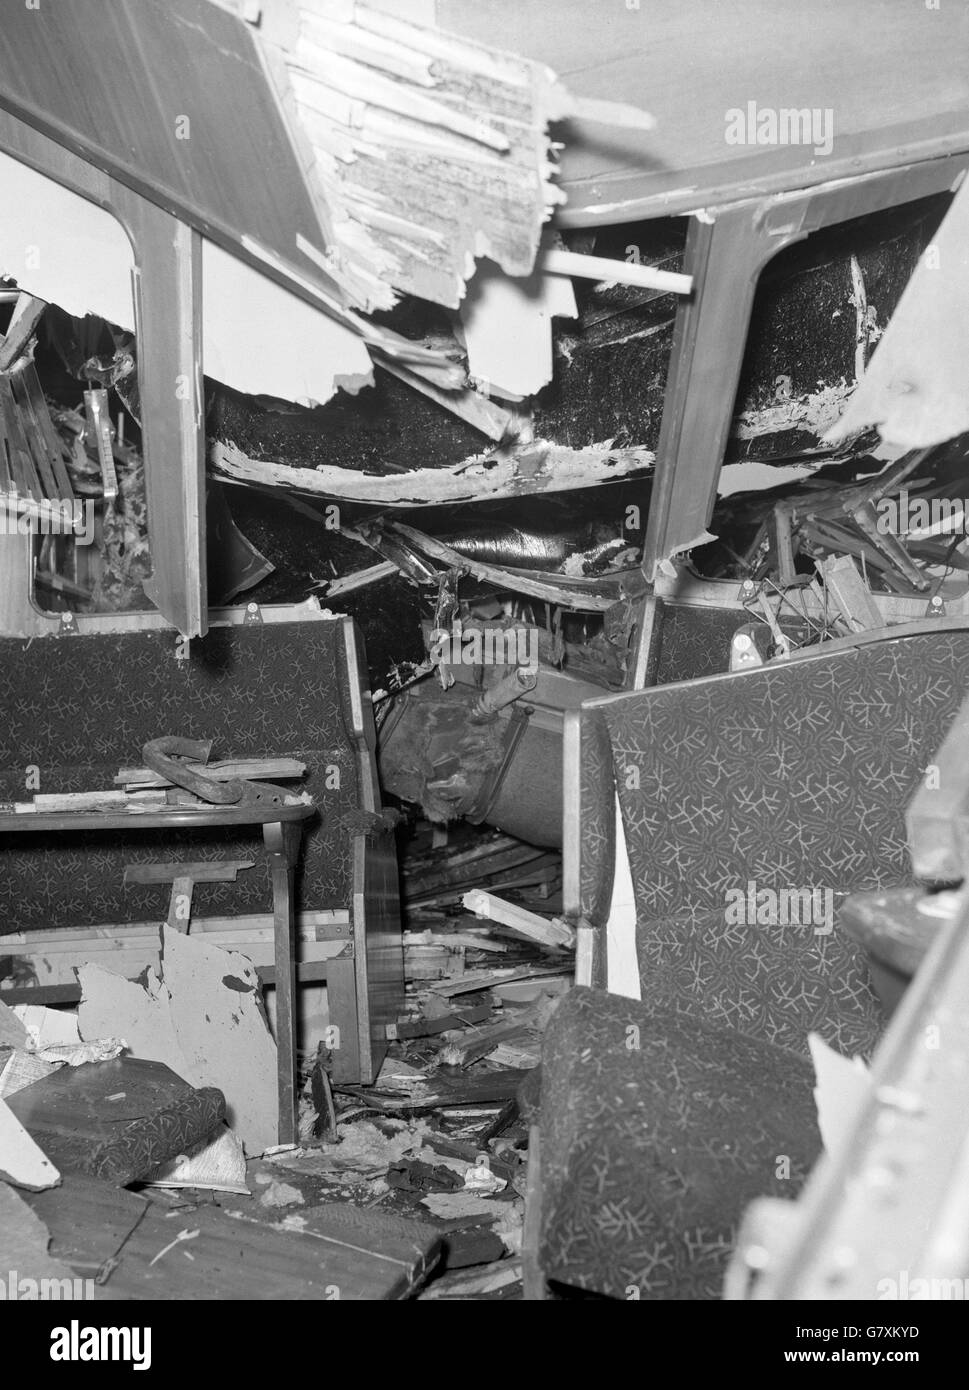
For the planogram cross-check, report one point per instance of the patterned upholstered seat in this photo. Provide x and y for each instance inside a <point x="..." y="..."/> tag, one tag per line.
<point x="78" y="708"/>
<point x="657" y="1130"/>
<point x="752" y="804"/>
<point x="793" y="777"/>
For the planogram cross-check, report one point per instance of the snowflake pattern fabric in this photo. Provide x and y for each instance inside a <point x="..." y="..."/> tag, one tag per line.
<point x="657" y="1131"/>
<point x="78" y="708"/>
<point x="793" y="777"/>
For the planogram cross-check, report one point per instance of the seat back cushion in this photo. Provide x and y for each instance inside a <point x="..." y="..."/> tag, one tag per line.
<point x="76" y="709"/>
<point x="656" y="1132"/>
<point x="752" y="803"/>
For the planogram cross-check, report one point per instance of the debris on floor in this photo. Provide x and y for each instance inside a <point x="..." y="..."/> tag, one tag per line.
<point x="204" y="1017"/>
<point x="133" y="1247"/>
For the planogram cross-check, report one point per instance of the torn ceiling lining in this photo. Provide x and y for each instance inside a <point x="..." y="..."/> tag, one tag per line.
<point x="499" y="311"/>
<point x="542" y="467"/>
<point x="399" y="119"/>
<point x="397" y="156"/>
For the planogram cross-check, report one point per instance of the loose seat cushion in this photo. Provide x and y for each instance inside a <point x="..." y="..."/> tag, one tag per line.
<point x="656" y="1132"/>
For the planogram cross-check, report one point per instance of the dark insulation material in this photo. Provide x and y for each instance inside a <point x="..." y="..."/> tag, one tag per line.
<point x="385" y="428"/>
<point x="804" y="325"/>
<point x="611" y="363"/>
<point x="305" y="552"/>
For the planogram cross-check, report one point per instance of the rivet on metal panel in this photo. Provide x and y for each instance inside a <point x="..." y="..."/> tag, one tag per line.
<point x="743" y="652"/>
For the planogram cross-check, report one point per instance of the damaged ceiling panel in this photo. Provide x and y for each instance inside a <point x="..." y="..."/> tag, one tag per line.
<point x="185" y="106"/>
<point x="428" y="150"/>
<point x="394" y="157"/>
<point x="895" y="75"/>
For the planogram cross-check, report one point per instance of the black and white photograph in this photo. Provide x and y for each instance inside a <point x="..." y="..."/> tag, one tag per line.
<point x="484" y="670"/>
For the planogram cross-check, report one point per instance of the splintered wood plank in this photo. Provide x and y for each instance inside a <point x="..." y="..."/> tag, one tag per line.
<point x="553" y="933"/>
<point x="224" y="770"/>
<point x="34" y="433"/>
<point x="23" y="321"/>
<point x="471" y="1088"/>
<point x="56" y="450"/>
<point x="202" y="871"/>
<point x="342" y="1255"/>
<point x="20" y="463"/>
<point x="465" y="130"/>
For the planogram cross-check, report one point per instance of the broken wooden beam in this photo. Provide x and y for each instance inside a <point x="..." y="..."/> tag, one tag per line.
<point x="25" y="318"/>
<point x="209" y="871"/>
<point x="224" y="770"/>
<point x="183" y="877"/>
<point x="44" y="803"/>
<point x="851" y="595"/>
<point x="554" y="933"/>
<point x="427" y="1027"/>
<point x="476" y="980"/>
<point x="360" y="579"/>
<point x="443" y="1090"/>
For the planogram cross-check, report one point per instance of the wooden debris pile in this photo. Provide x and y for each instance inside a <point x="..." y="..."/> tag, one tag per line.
<point x="862" y="545"/>
<point x="440" y="1137"/>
